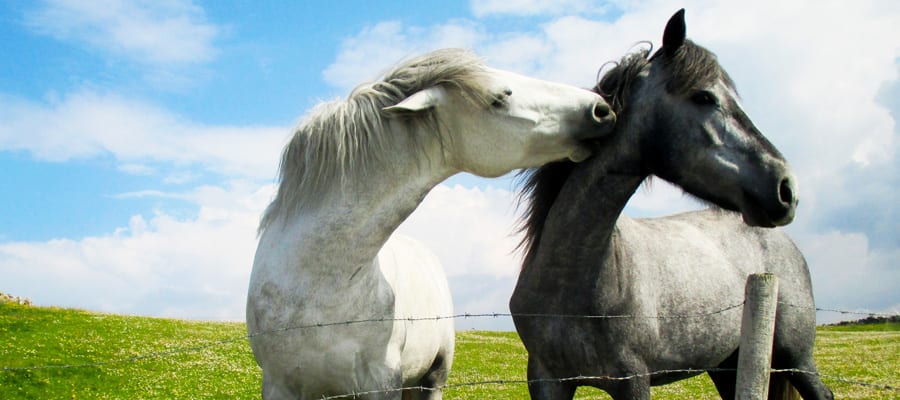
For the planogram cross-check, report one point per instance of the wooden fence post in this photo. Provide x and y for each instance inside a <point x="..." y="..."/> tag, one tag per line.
<point x="757" y="332"/>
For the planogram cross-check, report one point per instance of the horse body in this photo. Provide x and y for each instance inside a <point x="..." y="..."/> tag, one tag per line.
<point x="673" y="286"/>
<point x="331" y="284"/>
<point x="641" y="302"/>
<point x="302" y="277"/>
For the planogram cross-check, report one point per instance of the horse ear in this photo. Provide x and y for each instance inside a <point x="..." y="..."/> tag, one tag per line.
<point x="422" y="100"/>
<point x="675" y="32"/>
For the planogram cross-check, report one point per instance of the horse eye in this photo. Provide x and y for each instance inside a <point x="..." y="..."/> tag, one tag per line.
<point x="704" y="98"/>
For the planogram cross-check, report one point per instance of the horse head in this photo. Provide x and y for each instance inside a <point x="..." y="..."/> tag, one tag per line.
<point x="499" y="121"/>
<point x="682" y="115"/>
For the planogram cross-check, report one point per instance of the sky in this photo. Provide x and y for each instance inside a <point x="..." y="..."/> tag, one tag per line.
<point x="139" y="140"/>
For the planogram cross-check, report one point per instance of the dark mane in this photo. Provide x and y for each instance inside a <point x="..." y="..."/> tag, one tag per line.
<point x="689" y="67"/>
<point x="540" y="186"/>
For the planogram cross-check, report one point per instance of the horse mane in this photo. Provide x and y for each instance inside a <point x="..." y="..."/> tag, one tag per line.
<point x="689" y="67"/>
<point x="344" y="136"/>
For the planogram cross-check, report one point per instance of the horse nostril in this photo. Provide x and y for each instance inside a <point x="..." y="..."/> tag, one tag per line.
<point x="601" y="111"/>
<point x="785" y="192"/>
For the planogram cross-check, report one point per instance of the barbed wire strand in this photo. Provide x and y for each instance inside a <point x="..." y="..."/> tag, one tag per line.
<point x="579" y="378"/>
<point x="493" y="315"/>
<point x="584" y="378"/>
<point x="215" y="343"/>
<point x="406" y="319"/>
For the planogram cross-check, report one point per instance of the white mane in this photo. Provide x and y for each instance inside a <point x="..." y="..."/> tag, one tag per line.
<point x="340" y="138"/>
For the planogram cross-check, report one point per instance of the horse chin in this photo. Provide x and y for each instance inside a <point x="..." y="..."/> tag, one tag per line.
<point x="750" y="214"/>
<point x="754" y="215"/>
<point x="755" y="221"/>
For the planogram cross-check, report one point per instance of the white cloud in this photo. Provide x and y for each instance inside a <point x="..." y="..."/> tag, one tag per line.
<point x="831" y="57"/>
<point x="363" y="57"/>
<point x="850" y="275"/>
<point x="165" y="266"/>
<point x="145" y="32"/>
<point x="470" y="229"/>
<point x="568" y="49"/>
<point x="658" y="197"/>
<point x="87" y="124"/>
<point x="137" y="169"/>
<point x="482" y="294"/>
<point x="199" y="267"/>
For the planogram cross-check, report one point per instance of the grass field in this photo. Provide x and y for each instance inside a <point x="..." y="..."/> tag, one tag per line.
<point x="101" y="356"/>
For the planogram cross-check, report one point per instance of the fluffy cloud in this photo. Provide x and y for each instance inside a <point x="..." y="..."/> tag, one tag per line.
<point x="365" y="56"/>
<point x="87" y="124"/>
<point x="848" y="274"/>
<point x="820" y="60"/>
<point x="199" y="267"/>
<point x="164" y="265"/>
<point x="470" y="229"/>
<point x="154" y="32"/>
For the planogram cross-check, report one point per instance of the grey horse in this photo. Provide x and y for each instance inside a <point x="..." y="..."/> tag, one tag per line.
<point x="670" y="288"/>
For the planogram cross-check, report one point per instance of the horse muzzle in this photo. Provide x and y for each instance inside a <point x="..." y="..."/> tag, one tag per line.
<point x="776" y="208"/>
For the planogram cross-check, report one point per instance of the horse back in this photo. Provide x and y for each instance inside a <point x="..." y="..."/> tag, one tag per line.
<point x="724" y="237"/>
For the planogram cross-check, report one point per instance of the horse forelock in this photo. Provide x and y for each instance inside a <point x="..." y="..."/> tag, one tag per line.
<point x="616" y="83"/>
<point x="690" y="67"/>
<point x="343" y="139"/>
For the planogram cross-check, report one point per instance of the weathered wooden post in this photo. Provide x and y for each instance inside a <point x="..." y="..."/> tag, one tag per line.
<point x="757" y="332"/>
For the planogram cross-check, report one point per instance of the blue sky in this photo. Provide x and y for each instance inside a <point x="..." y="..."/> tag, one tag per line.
<point x="139" y="139"/>
<point x="259" y="65"/>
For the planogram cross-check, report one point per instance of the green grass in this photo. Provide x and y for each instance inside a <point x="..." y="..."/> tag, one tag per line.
<point x="879" y="327"/>
<point x="49" y="336"/>
<point x="123" y="357"/>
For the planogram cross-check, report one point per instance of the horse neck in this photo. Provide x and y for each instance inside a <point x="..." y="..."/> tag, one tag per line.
<point x="344" y="232"/>
<point x="588" y="206"/>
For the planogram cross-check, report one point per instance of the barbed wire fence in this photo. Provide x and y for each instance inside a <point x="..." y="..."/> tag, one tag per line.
<point x="492" y="382"/>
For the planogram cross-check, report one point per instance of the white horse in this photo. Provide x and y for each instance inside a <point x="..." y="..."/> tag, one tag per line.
<point x="352" y="173"/>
